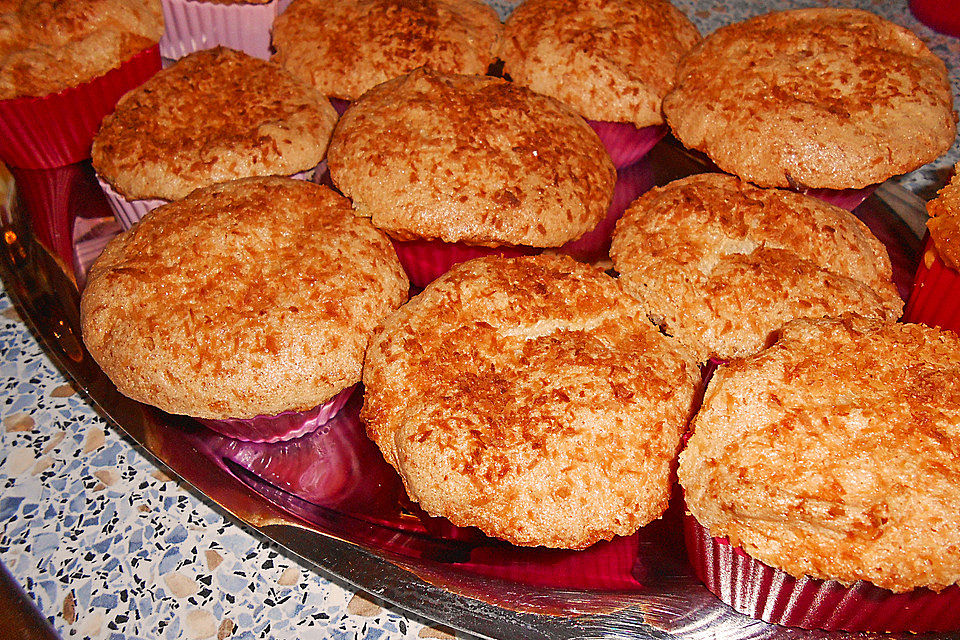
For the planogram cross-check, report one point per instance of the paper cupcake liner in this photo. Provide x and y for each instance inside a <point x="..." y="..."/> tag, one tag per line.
<point x="848" y="199"/>
<point x="935" y="296"/>
<point x="760" y="591"/>
<point x="56" y="130"/>
<point x="594" y="245"/>
<point x="129" y="212"/>
<point x="939" y="15"/>
<point x="282" y="426"/>
<point x="426" y="260"/>
<point x="626" y="143"/>
<point x="193" y="25"/>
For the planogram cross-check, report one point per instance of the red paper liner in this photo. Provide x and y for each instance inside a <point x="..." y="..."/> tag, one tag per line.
<point x="848" y="199"/>
<point x="939" y="15"/>
<point x="626" y="143"/>
<point x="760" y="591"/>
<point x="594" y="245"/>
<point x="54" y="198"/>
<point x="282" y="426"/>
<point x="935" y="296"/>
<point x="193" y="25"/>
<point x="426" y="260"/>
<point x="56" y="130"/>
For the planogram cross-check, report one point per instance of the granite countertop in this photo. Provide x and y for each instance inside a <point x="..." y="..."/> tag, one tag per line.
<point x="108" y="546"/>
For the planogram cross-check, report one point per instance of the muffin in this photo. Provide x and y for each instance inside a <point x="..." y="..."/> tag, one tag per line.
<point x="935" y="297"/>
<point x="452" y="166"/>
<point x="216" y="115"/>
<point x="63" y="66"/>
<point x="823" y="480"/>
<point x="530" y="398"/>
<point x="194" y="25"/>
<point x="722" y="264"/>
<point x="247" y="304"/>
<point x="612" y="61"/>
<point x="813" y="99"/>
<point x="347" y="47"/>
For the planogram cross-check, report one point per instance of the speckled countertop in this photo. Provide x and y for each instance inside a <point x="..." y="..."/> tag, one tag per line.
<point x="108" y="546"/>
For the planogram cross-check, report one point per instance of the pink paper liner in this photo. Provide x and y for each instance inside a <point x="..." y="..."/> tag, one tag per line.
<point x="594" y="245"/>
<point x="130" y="212"/>
<point x="760" y="591"/>
<point x="626" y="143"/>
<point x="426" y="260"/>
<point x="848" y="199"/>
<point x="193" y="25"/>
<point x="935" y="296"/>
<point x="56" y="130"/>
<point x="282" y="426"/>
<point x="127" y="212"/>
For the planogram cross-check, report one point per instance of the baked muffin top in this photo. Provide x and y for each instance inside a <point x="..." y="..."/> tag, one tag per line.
<point x="346" y="47"/>
<point x="722" y="264"/>
<point x="246" y="298"/>
<point x="821" y="98"/>
<point x="530" y="397"/>
<point x="47" y="46"/>
<point x="944" y="222"/>
<point x="836" y="453"/>
<point x="470" y="159"/>
<point x="215" y="115"/>
<point x="610" y="60"/>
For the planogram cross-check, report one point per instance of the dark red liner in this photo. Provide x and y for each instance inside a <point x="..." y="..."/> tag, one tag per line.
<point x="935" y="296"/>
<point x="760" y="591"/>
<point x="56" y="130"/>
<point x="426" y="260"/>
<point x="939" y="15"/>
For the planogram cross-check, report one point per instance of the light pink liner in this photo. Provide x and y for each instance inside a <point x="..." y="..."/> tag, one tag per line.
<point x="192" y="25"/>
<point x="760" y="591"/>
<point x="282" y="426"/>
<point x="129" y="212"/>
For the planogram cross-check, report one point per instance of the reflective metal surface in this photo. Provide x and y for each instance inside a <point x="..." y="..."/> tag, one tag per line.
<point x="331" y="499"/>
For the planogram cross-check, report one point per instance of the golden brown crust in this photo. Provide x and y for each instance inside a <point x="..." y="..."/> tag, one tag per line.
<point x="47" y="46"/>
<point x="346" y="47"/>
<point x="215" y="115"/>
<point x="722" y="265"/>
<point x="470" y="159"/>
<point x="824" y="98"/>
<point x="836" y="454"/>
<point x="530" y="398"/>
<point x="246" y="298"/>
<point x="611" y="60"/>
<point x="944" y="222"/>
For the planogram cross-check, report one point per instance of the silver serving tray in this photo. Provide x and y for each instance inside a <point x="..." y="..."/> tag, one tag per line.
<point x="353" y="522"/>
